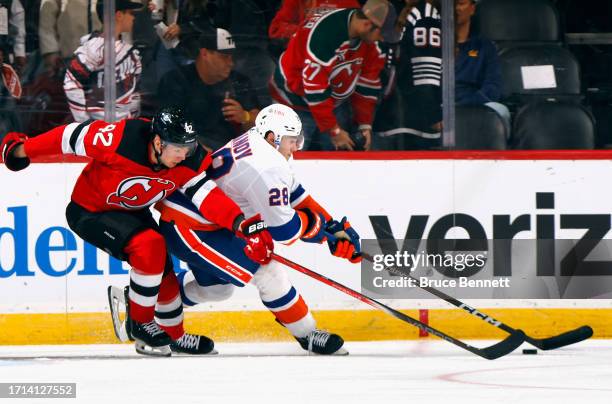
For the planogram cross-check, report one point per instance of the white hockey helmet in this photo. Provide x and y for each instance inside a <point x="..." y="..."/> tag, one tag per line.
<point x="282" y="121"/>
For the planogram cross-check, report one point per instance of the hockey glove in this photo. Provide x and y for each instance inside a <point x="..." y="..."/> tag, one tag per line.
<point x="9" y="143"/>
<point x="314" y="232"/>
<point x="343" y="240"/>
<point x="260" y="245"/>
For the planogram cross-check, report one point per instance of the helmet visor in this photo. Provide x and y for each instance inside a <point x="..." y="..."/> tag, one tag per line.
<point x="299" y="140"/>
<point x="179" y="148"/>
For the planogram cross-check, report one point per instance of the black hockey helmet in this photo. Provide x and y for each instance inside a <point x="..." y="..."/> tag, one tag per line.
<point x="173" y="127"/>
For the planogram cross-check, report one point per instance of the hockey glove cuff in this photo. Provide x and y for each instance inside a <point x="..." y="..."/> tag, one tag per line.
<point x="315" y="227"/>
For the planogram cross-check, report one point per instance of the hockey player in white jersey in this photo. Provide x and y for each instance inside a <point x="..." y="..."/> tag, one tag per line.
<point x="254" y="171"/>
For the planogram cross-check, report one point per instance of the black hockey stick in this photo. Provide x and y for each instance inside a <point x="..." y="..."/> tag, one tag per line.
<point x="504" y="347"/>
<point x="545" y="344"/>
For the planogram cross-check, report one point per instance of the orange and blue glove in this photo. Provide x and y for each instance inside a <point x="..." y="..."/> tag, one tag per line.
<point x="343" y="240"/>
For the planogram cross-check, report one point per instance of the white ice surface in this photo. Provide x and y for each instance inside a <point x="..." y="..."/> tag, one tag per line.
<point x="374" y="372"/>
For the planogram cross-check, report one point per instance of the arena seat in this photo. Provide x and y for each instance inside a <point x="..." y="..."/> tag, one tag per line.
<point x="509" y="21"/>
<point x="564" y="65"/>
<point x="478" y="127"/>
<point x="553" y="125"/>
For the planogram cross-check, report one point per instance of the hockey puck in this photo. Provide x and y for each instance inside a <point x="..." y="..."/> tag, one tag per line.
<point x="530" y="351"/>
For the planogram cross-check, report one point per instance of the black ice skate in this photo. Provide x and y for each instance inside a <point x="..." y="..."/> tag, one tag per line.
<point x="191" y="344"/>
<point x="149" y="338"/>
<point x="323" y="343"/>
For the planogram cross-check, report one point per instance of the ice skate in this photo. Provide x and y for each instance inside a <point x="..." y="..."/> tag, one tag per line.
<point x="192" y="344"/>
<point x="149" y="338"/>
<point x="118" y="303"/>
<point x="323" y="343"/>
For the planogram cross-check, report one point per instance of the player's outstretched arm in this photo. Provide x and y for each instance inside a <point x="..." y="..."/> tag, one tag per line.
<point x="94" y="139"/>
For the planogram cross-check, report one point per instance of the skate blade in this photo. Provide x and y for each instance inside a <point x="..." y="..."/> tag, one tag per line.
<point x="144" y="349"/>
<point x="339" y="352"/>
<point x="211" y="353"/>
<point x="116" y="301"/>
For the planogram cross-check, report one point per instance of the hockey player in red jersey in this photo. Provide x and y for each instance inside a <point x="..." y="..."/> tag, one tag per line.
<point x="254" y="171"/>
<point x="332" y="60"/>
<point x="134" y="164"/>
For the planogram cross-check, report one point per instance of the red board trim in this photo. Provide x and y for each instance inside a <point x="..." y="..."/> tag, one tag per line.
<point x="418" y="155"/>
<point x="461" y="155"/>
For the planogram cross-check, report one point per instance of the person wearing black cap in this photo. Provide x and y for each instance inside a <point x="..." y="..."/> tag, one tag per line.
<point x="333" y="58"/>
<point x="221" y="102"/>
<point x="84" y="80"/>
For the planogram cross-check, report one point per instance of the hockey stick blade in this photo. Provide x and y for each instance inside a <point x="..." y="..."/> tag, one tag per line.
<point x="505" y="346"/>
<point x="516" y="338"/>
<point x="545" y="344"/>
<point x="561" y="340"/>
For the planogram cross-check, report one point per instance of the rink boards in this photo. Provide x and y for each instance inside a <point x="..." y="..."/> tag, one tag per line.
<point x="52" y="287"/>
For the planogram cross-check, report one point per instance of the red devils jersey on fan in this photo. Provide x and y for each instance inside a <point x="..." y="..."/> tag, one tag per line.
<point x="322" y="66"/>
<point x="121" y="176"/>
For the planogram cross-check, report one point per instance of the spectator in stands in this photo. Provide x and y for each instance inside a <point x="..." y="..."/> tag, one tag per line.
<point x="13" y="33"/>
<point x="184" y="21"/>
<point x="62" y="23"/>
<point x="410" y="118"/>
<point x="221" y="102"/>
<point x="477" y="70"/>
<point x="10" y="84"/>
<point x="31" y="24"/>
<point x="84" y="81"/>
<point x="331" y="60"/>
<point x="248" y="21"/>
<point x="293" y="12"/>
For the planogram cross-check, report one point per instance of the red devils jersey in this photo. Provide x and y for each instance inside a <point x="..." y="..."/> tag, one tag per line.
<point x="322" y="66"/>
<point x="121" y="176"/>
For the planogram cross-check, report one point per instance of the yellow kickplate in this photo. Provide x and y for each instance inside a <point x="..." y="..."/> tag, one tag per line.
<point x="358" y="325"/>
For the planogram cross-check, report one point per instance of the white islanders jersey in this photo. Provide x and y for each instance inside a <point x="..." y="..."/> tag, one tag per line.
<point x="255" y="176"/>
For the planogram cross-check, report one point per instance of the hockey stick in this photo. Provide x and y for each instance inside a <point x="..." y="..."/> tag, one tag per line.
<point x="504" y="347"/>
<point x="545" y="344"/>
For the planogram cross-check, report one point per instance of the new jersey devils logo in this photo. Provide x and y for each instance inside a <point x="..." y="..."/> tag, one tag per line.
<point x="138" y="192"/>
<point x="343" y="78"/>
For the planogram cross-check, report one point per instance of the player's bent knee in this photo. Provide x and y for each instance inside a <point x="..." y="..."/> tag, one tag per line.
<point x="271" y="280"/>
<point x="202" y="294"/>
<point x="147" y="251"/>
